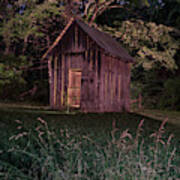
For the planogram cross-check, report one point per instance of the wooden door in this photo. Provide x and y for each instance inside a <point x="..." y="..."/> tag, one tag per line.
<point x="74" y="88"/>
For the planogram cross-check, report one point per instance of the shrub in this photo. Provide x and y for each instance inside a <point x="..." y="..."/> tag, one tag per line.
<point x="12" y="82"/>
<point x="171" y="94"/>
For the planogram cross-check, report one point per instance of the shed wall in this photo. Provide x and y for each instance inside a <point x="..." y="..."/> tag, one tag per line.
<point x="105" y="80"/>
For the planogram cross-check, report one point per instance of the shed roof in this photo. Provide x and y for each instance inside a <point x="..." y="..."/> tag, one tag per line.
<point x="104" y="40"/>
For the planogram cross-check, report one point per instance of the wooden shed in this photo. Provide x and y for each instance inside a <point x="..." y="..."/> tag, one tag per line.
<point x="89" y="70"/>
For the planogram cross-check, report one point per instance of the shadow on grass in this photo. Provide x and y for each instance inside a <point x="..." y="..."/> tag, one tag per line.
<point x="99" y="123"/>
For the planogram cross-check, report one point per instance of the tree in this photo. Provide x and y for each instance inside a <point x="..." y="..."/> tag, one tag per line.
<point x="151" y="44"/>
<point x="28" y="28"/>
<point x="91" y="9"/>
<point x="25" y="37"/>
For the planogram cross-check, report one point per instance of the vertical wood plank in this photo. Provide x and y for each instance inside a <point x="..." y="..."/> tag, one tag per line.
<point x="108" y="99"/>
<point x="91" y="60"/>
<point x="101" y="78"/>
<point x="87" y="42"/>
<point x="128" y="76"/>
<point x="103" y="87"/>
<point x="55" y="80"/>
<point x="119" y="87"/>
<point x="123" y="87"/>
<point x="114" y="88"/>
<point x="116" y="93"/>
<point x="76" y="36"/>
<point x="106" y="86"/>
<point x="111" y="81"/>
<point x="62" y="79"/>
<point x="98" y="67"/>
<point x="96" y="80"/>
<point x="59" y="81"/>
<point x="50" y="80"/>
<point x="110" y="63"/>
<point x="109" y="86"/>
<point x="114" y="83"/>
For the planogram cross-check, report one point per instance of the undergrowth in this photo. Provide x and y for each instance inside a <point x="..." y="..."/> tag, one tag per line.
<point x="42" y="153"/>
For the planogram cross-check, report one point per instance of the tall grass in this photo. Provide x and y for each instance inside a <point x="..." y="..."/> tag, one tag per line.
<point x="45" y="153"/>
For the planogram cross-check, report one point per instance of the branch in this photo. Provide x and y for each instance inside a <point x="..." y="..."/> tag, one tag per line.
<point x="100" y="7"/>
<point x="4" y="78"/>
<point x="94" y="15"/>
<point x="119" y="7"/>
<point x="110" y="7"/>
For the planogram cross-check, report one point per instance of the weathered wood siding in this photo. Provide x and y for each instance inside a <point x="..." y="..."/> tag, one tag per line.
<point x="113" y="84"/>
<point x="105" y="79"/>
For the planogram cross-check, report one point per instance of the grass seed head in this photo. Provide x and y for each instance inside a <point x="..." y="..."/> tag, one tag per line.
<point x="42" y="121"/>
<point x="18" y="121"/>
<point x="169" y="139"/>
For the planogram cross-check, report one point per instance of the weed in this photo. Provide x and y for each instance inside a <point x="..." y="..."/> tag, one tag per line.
<point x="41" y="152"/>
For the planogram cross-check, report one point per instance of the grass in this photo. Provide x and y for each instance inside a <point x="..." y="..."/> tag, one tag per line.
<point x="55" y="145"/>
<point x="173" y="116"/>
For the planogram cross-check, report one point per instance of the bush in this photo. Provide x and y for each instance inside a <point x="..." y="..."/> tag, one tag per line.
<point x="171" y="94"/>
<point x="12" y="82"/>
<point x="158" y="90"/>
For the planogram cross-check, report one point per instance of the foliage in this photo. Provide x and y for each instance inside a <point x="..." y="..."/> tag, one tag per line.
<point x="169" y="13"/>
<point x="44" y="153"/>
<point x="152" y="45"/>
<point x="32" y="25"/>
<point x="25" y="36"/>
<point x="160" y="91"/>
<point x="42" y="96"/>
<point x="91" y="9"/>
<point x="147" y="28"/>
<point x="155" y="49"/>
<point x="171" y="95"/>
<point x="11" y="79"/>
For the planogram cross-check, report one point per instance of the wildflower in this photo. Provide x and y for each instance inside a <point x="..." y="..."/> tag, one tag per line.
<point x="19" y="127"/>
<point x="42" y="121"/>
<point x="18" y="121"/>
<point x="169" y="139"/>
<point x="12" y="137"/>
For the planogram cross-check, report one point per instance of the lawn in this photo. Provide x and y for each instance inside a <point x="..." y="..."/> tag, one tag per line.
<point x="173" y="116"/>
<point x="86" y="146"/>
